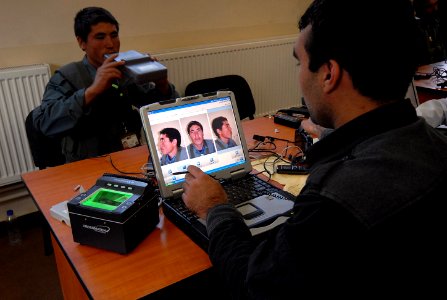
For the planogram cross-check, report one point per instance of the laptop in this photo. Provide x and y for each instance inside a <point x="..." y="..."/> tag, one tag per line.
<point x="262" y="205"/>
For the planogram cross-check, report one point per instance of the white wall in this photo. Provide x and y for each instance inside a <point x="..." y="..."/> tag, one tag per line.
<point x="42" y="31"/>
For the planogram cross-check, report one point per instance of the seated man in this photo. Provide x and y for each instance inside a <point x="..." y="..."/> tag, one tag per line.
<point x="169" y="144"/>
<point x="89" y="104"/>
<point x="433" y="111"/>
<point x="199" y="146"/>
<point x="371" y="212"/>
<point x="223" y="131"/>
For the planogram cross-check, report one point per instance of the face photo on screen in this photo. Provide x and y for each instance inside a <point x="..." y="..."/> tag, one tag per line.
<point x="222" y="124"/>
<point x="200" y="135"/>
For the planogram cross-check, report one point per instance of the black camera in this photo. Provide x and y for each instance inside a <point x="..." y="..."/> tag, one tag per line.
<point x="141" y="68"/>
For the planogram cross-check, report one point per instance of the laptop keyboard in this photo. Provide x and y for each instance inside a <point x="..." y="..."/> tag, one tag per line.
<point x="238" y="191"/>
<point x="244" y="189"/>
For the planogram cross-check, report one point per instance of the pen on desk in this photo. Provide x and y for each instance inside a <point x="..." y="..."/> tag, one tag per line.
<point x="180" y="173"/>
<point x="186" y="172"/>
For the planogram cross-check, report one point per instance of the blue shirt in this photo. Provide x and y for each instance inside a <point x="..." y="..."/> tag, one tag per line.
<point x="181" y="155"/>
<point x="208" y="147"/>
<point x="221" y="145"/>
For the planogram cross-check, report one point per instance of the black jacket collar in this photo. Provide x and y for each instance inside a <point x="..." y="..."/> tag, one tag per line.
<point x="382" y="119"/>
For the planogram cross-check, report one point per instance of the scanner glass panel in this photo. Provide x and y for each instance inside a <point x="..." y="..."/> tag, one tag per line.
<point x="106" y="199"/>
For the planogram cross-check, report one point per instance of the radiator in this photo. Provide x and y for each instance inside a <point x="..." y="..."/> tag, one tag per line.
<point x="21" y="90"/>
<point x="268" y="66"/>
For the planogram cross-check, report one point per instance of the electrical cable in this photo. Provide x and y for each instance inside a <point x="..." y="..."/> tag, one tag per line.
<point x="440" y="75"/>
<point x="120" y="171"/>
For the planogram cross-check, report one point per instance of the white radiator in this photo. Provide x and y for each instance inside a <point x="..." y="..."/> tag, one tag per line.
<point x="268" y="66"/>
<point x="21" y="90"/>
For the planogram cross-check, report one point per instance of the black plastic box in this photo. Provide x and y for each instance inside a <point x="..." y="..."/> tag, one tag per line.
<point x="116" y="214"/>
<point x="141" y="68"/>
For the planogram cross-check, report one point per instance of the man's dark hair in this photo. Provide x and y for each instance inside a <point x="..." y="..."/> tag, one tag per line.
<point x="193" y="123"/>
<point x="375" y="41"/>
<point x="89" y="16"/>
<point x="217" y="123"/>
<point x="172" y="134"/>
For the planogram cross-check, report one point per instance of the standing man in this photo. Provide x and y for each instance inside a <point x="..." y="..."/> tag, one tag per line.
<point x="370" y="220"/>
<point x="88" y="104"/>
<point x="169" y="143"/>
<point x="224" y="133"/>
<point x="199" y="146"/>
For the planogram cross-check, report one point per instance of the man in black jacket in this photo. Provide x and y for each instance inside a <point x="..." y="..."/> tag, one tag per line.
<point x="370" y="220"/>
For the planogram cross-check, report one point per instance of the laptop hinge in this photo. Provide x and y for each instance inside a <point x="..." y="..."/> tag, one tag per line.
<point x="177" y="193"/>
<point x="238" y="174"/>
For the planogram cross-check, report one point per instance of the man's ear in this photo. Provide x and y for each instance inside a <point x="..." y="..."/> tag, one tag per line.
<point x="81" y="43"/>
<point x="332" y="75"/>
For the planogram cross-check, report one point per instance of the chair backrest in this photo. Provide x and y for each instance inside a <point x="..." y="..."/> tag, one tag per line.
<point x="235" y="83"/>
<point x="46" y="151"/>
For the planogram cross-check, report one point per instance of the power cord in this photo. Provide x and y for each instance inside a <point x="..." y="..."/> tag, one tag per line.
<point x="440" y="75"/>
<point x="120" y="171"/>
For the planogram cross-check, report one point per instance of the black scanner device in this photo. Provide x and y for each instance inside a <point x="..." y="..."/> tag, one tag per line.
<point x="294" y="111"/>
<point x="291" y="117"/>
<point x="116" y="214"/>
<point x="141" y="67"/>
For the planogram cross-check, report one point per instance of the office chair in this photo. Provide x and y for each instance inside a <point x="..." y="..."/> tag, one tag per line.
<point x="235" y="83"/>
<point x="46" y="152"/>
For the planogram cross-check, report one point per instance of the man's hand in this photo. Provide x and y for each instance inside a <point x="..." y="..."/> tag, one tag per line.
<point x="311" y="128"/>
<point x="106" y="74"/>
<point x="202" y="192"/>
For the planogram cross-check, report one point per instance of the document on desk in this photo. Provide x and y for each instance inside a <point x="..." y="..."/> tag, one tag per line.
<point x="292" y="183"/>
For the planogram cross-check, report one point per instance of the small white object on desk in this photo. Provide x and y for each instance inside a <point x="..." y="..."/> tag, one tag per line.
<point x="60" y="212"/>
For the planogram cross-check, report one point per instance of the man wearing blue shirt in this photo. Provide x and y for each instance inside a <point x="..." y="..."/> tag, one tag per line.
<point x="224" y="133"/>
<point x="169" y="144"/>
<point x="199" y="146"/>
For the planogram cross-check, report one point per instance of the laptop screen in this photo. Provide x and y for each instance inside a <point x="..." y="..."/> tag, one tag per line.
<point x="198" y="130"/>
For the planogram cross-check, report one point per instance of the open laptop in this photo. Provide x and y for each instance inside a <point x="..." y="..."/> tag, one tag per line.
<point x="262" y="205"/>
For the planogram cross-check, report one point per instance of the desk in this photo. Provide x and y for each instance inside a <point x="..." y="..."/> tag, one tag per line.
<point x="427" y="88"/>
<point x="165" y="257"/>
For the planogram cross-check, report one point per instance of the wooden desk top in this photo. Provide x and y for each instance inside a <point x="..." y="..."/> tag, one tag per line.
<point x="155" y="263"/>
<point x="166" y="256"/>
<point x="430" y="83"/>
